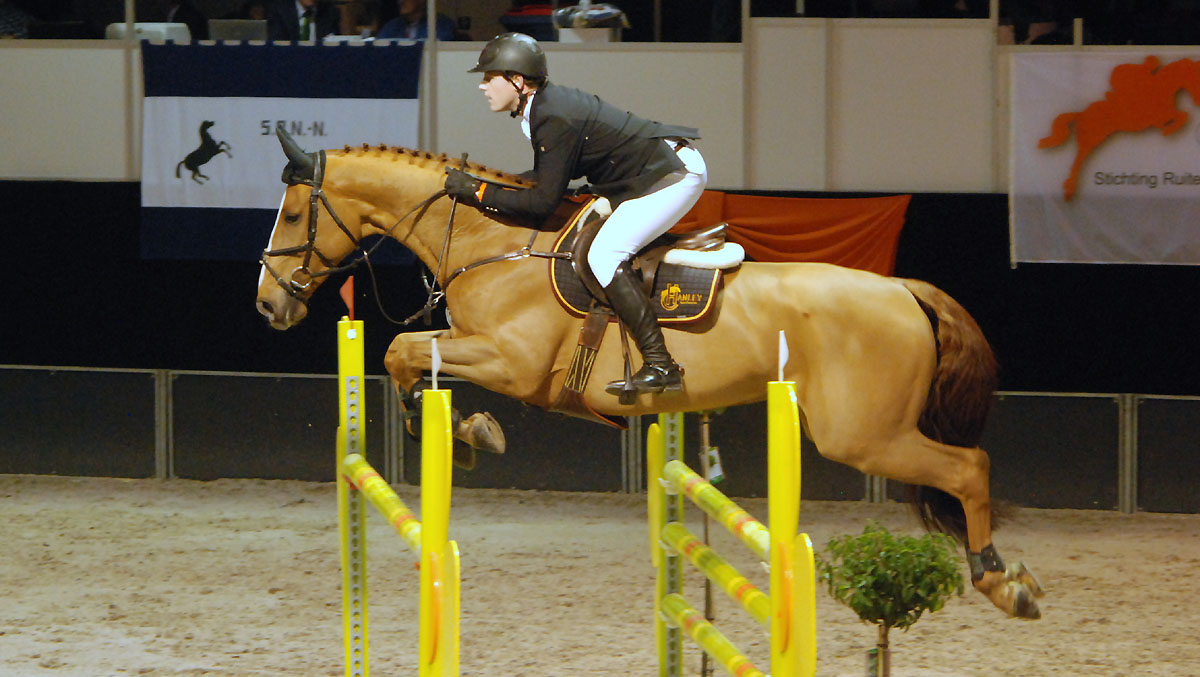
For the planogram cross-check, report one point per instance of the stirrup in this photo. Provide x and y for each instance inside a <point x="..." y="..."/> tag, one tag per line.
<point x="651" y="378"/>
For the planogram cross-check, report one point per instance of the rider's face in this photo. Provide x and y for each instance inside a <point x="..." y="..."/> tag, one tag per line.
<point x="500" y="93"/>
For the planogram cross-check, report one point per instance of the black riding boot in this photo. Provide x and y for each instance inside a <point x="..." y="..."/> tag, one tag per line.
<point x="659" y="372"/>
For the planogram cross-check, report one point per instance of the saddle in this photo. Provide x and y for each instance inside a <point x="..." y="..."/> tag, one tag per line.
<point x="682" y="274"/>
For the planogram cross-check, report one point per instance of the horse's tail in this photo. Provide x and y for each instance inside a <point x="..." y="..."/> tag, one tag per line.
<point x="960" y="397"/>
<point x="1060" y="130"/>
<point x="177" y="168"/>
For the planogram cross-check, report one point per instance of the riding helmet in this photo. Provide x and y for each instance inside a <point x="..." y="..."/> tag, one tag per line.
<point x="515" y="53"/>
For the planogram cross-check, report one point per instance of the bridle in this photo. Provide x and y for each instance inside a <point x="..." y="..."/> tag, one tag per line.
<point x="302" y="276"/>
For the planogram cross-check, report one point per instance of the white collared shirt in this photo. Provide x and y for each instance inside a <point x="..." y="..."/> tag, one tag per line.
<point x="525" y="115"/>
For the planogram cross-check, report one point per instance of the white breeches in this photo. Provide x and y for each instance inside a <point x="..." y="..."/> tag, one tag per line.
<point x="638" y="221"/>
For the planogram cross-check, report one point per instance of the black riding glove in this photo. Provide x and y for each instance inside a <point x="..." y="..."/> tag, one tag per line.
<point x="461" y="185"/>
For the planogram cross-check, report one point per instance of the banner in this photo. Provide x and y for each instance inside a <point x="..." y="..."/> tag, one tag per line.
<point x="1104" y="158"/>
<point x="858" y="233"/>
<point x="211" y="163"/>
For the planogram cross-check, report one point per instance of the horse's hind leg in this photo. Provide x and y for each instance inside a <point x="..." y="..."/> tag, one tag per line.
<point x="962" y="473"/>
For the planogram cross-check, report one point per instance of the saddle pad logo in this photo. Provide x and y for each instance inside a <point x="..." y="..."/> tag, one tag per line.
<point x="673" y="297"/>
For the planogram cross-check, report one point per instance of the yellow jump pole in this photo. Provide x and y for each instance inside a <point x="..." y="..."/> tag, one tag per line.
<point x="728" y="656"/>
<point x="439" y="556"/>
<point x="351" y="509"/>
<point x="367" y="480"/>
<point x="724" y="574"/>
<point x="719" y="506"/>
<point x="793" y="613"/>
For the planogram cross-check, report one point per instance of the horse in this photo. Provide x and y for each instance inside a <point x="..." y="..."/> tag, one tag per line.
<point x="1141" y="96"/>
<point x="208" y="149"/>
<point x="893" y="377"/>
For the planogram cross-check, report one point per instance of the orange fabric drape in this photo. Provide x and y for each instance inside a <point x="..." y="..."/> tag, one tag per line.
<point x="852" y="232"/>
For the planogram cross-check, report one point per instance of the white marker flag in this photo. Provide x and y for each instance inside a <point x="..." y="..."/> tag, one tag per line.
<point x="783" y="352"/>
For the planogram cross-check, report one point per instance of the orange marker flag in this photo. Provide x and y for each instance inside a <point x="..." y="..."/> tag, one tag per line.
<point x="347" y="293"/>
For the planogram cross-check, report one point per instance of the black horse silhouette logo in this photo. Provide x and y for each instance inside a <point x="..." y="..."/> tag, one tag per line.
<point x="208" y="150"/>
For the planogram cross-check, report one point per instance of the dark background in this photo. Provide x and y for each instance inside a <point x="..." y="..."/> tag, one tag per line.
<point x="78" y="294"/>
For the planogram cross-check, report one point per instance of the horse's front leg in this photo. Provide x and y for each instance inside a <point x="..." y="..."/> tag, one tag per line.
<point x="472" y="358"/>
<point x="403" y="361"/>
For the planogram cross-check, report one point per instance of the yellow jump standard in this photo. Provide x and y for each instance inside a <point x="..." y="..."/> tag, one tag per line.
<point x="356" y="480"/>
<point x="790" y="609"/>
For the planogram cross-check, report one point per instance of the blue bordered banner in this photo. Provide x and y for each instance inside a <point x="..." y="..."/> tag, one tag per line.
<point x="211" y="164"/>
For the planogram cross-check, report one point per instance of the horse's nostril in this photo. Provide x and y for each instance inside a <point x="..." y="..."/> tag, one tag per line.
<point x="265" y="308"/>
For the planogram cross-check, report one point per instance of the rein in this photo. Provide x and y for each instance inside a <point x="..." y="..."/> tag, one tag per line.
<point x="302" y="276"/>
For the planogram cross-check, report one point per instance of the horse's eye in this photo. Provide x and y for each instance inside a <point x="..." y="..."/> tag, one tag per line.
<point x="291" y="218"/>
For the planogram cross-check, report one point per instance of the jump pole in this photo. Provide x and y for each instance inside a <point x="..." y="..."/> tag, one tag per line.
<point x="358" y="482"/>
<point x="790" y="610"/>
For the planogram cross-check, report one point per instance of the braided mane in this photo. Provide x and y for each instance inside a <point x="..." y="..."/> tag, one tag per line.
<point x="438" y="162"/>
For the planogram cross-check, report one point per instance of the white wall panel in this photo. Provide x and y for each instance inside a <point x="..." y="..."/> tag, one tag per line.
<point x="786" y="104"/>
<point x="913" y="105"/>
<point x="67" y="112"/>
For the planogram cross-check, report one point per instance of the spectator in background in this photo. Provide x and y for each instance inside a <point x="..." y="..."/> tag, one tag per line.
<point x="411" y="23"/>
<point x="184" y="12"/>
<point x="251" y="9"/>
<point x="14" y="21"/>
<point x="287" y="19"/>
<point x="359" y="17"/>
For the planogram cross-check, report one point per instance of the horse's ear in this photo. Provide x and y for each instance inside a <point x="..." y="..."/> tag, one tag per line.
<point x="301" y="165"/>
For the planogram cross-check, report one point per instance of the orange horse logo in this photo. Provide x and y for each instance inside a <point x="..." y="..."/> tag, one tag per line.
<point x="1141" y="96"/>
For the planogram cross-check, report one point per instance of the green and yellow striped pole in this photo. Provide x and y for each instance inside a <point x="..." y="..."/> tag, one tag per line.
<point x="665" y="441"/>
<point x="351" y="509"/>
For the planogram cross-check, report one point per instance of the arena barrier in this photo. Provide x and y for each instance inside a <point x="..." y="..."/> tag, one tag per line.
<point x="789" y="612"/>
<point x="437" y="556"/>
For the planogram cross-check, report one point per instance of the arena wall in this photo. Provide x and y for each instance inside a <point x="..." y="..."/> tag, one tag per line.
<point x="803" y="107"/>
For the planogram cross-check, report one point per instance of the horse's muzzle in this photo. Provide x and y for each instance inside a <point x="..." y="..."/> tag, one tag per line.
<point x="281" y="311"/>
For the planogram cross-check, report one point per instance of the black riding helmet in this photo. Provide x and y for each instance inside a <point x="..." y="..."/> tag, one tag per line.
<point x="513" y="53"/>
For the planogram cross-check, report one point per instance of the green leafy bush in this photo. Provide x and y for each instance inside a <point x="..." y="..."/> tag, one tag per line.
<point x="890" y="580"/>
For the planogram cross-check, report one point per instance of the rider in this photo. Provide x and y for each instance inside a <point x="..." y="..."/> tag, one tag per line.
<point x="649" y="171"/>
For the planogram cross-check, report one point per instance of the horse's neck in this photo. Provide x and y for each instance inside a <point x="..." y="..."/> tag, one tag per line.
<point x="391" y="187"/>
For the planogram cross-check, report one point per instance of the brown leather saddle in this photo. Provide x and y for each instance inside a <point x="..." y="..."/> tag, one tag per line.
<point x="680" y="292"/>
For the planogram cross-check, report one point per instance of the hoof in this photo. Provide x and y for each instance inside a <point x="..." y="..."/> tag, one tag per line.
<point x="482" y="432"/>
<point x="463" y="456"/>
<point x="1014" y="598"/>
<point x="1024" y="605"/>
<point x="1021" y="574"/>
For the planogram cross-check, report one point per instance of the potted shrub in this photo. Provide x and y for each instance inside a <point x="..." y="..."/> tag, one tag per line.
<point x="890" y="580"/>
